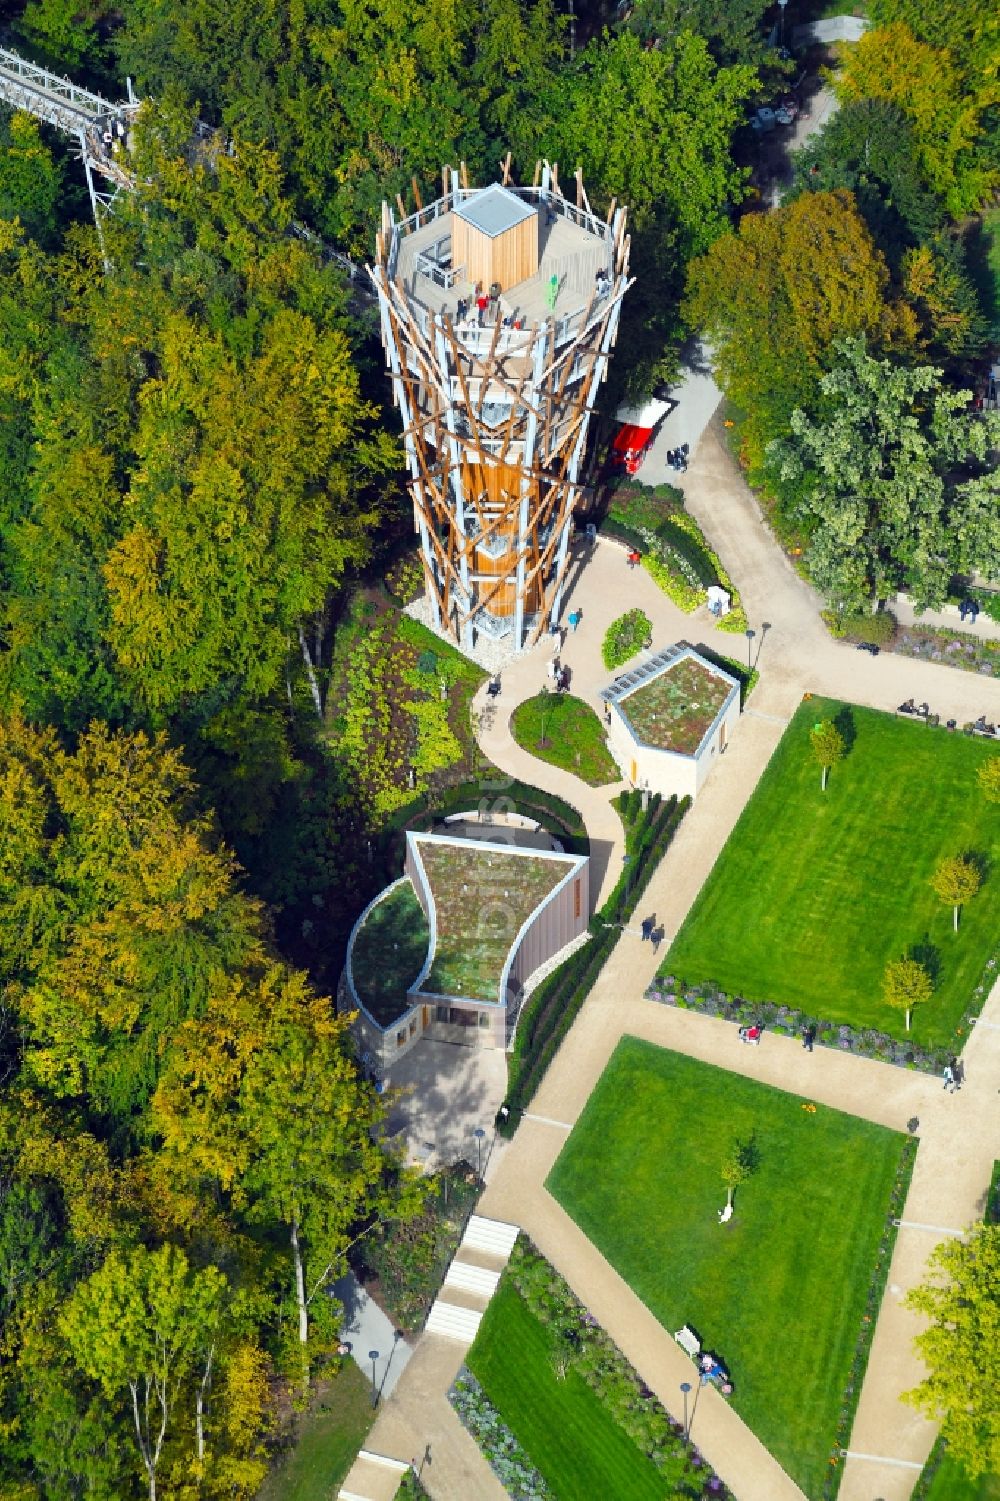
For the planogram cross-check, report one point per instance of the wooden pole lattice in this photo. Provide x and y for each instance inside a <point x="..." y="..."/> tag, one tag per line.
<point x="496" y="403"/>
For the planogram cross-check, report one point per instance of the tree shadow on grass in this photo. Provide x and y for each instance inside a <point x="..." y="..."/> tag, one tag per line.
<point x="928" y="955"/>
<point x="844" y="721"/>
<point x="981" y="862"/>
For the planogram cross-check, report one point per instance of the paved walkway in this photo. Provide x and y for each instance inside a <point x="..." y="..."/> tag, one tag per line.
<point x="365" y="1327"/>
<point x="959" y="1135"/>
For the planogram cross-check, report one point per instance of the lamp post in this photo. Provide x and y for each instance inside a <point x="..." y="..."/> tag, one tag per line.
<point x="782" y="4"/>
<point x="685" y="1388"/>
<point x="749" y="634"/>
<point x="373" y="1357"/>
<point x="479" y="1134"/>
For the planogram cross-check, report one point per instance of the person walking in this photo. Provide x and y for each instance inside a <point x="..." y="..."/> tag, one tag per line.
<point x="574" y="618"/>
<point x="808" y="1038"/>
<point x="958" y="1072"/>
<point x="648" y="924"/>
<point x="949" y="1078"/>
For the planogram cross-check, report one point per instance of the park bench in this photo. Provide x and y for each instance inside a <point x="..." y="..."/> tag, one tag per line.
<point x="688" y="1341"/>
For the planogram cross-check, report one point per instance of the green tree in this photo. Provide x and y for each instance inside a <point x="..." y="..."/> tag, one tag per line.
<point x="120" y="915"/>
<point x="31" y="181"/>
<point x="733" y="30"/>
<point x="679" y="104"/>
<point x="868" y="148"/>
<point x="988" y="777"/>
<point x="827" y="747"/>
<point x="956" y="881"/>
<point x="740" y="1163"/>
<point x="144" y="1326"/>
<point x="881" y="462"/>
<point x="961" y="1347"/>
<point x="905" y="984"/>
<point x="230" y="1111"/>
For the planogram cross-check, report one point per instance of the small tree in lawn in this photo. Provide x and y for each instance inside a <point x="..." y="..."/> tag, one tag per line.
<point x="906" y="984"/>
<point x="956" y="882"/>
<point x="988" y="777"/>
<point x="827" y="746"/>
<point x="737" y="1166"/>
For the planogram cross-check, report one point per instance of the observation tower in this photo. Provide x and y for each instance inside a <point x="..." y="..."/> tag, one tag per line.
<point x="499" y="309"/>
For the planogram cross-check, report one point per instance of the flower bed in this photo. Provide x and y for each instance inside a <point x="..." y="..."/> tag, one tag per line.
<point x="955" y="648"/>
<point x="625" y="637"/>
<point x="564" y="1351"/>
<point x="791" y="1022"/>
<point x="508" y="1461"/>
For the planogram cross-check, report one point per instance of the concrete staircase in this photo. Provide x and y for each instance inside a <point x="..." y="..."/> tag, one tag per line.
<point x="471" y="1283"/>
<point x="373" y="1477"/>
<point x="495" y="1236"/>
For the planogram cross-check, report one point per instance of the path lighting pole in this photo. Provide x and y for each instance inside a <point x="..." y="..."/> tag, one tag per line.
<point x="749" y="634"/>
<point x="685" y="1388"/>
<point x="782" y="4"/>
<point x="373" y="1357"/>
<point x="479" y="1134"/>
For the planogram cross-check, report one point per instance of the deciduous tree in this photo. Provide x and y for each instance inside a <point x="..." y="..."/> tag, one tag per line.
<point x="893" y="479"/>
<point x="956" y="881"/>
<point x="775" y="297"/>
<point x="961" y="1347"/>
<point x="945" y="109"/>
<point x="739" y="1164"/>
<point x="827" y="747"/>
<point x="905" y="984"/>
<point x="144" y="1326"/>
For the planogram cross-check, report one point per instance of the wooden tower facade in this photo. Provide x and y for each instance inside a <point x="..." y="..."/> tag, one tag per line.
<point x="499" y="310"/>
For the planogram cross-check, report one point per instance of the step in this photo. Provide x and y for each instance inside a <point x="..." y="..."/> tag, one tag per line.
<point x="473" y="1279"/>
<point x="452" y="1322"/>
<point x="490" y="1235"/>
<point x="399" y="1465"/>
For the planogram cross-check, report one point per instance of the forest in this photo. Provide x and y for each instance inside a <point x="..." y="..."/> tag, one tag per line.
<point x="204" y="537"/>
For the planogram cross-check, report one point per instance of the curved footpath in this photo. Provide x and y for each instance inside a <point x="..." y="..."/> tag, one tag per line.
<point x="959" y="1134"/>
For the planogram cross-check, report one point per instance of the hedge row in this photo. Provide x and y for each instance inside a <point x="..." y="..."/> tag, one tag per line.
<point x="550" y="1011"/>
<point x="670" y="543"/>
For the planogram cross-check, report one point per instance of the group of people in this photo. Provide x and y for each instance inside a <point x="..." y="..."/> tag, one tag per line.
<point x="954" y="1076"/>
<point x="752" y="1034"/>
<point x="484" y="302"/>
<point x="651" y="933"/>
<point x="677" y="458"/>
<point x="559" y="675"/>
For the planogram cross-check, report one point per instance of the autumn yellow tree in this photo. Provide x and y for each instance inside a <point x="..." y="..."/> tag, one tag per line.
<point x="945" y="108"/>
<point x="774" y="298"/>
<point x="956" y="881"/>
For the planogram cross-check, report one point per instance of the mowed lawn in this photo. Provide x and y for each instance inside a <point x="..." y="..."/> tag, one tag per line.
<point x="815" y="892"/>
<point x="327" y="1441"/>
<point x="563" y="1425"/>
<point x="780" y="1292"/>
<point x="565" y="731"/>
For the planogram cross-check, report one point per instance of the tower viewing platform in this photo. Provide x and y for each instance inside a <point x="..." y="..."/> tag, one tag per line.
<point x="499" y="310"/>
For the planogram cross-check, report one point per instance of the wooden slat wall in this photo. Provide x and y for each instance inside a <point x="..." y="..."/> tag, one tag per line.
<point x="510" y="258"/>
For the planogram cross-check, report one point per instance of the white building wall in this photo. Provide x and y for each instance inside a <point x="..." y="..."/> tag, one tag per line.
<point x="667" y="772"/>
